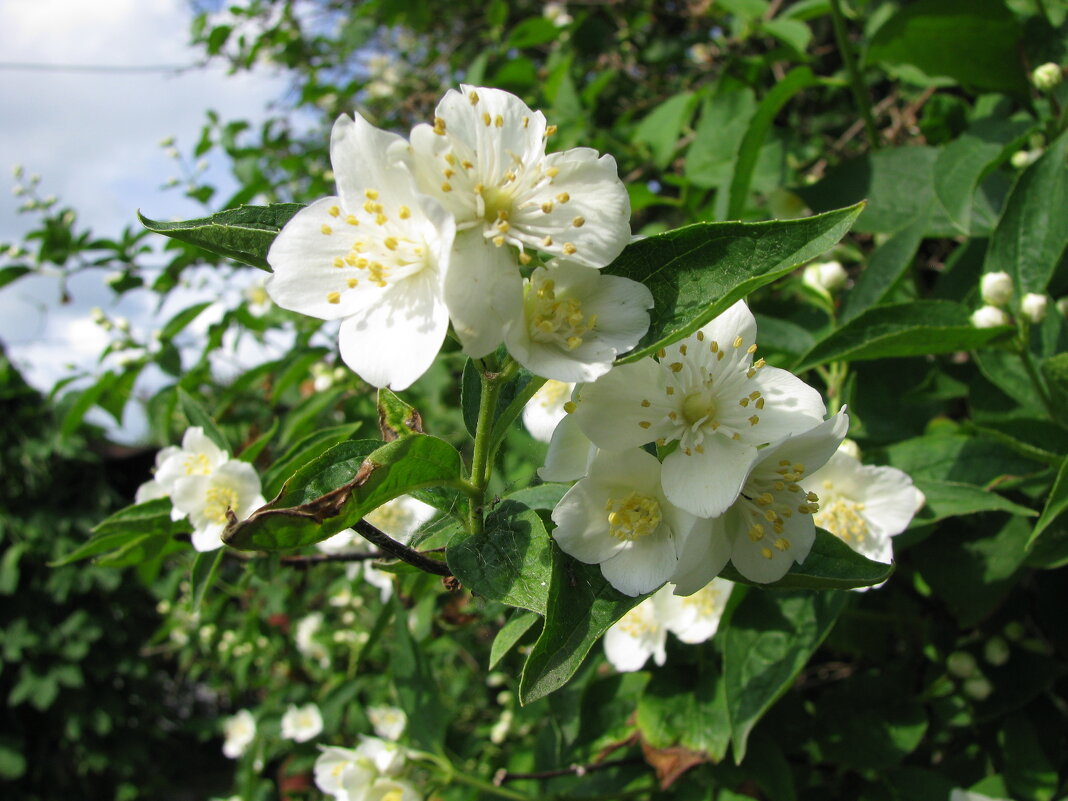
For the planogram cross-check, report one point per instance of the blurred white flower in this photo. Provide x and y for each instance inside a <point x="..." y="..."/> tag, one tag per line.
<point x="257" y="300"/>
<point x="306" y="630"/>
<point x="240" y="730"/>
<point x="546" y="408"/>
<point x="557" y="14"/>
<point x="1033" y="306"/>
<point x="989" y="317"/>
<point x="995" y="288"/>
<point x="1047" y="76"/>
<point x="825" y="277"/>
<point x="234" y="487"/>
<point x="389" y="722"/>
<point x="303" y="723"/>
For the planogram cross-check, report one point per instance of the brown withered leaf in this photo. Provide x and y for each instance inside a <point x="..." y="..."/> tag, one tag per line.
<point x="670" y="763"/>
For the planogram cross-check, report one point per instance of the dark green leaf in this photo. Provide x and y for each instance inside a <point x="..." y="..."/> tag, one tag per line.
<point x="12" y="273"/>
<point x="152" y="518"/>
<point x="699" y="271"/>
<point x="244" y="234"/>
<point x="309" y="448"/>
<point x="686" y="708"/>
<point x="255" y="448"/>
<point x="953" y="499"/>
<point x="830" y="565"/>
<point x="205" y="569"/>
<point x="532" y="32"/>
<point x="197" y="416"/>
<point x="918" y="328"/>
<point x="510" y="561"/>
<point x="1056" y="504"/>
<point x="1029" y="773"/>
<point x="84" y="400"/>
<point x="337" y="489"/>
<point x="540" y="496"/>
<point x="1031" y="235"/>
<point x="975" y="42"/>
<point x="1055" y="371"/>
<point x="885" y="267"/>
<point x="580" y="608"/>
<point x="722" y="125"/>
<point x="770" y="638"/>
<point x="511" y="633"/>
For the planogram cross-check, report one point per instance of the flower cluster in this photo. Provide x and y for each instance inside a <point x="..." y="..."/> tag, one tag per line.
<point x="996" y="291"/>
<point x="737" y="438"/>
<point x="434" y="231"/>
<point x="373" y="771"/>
<point x="204" y="485"/>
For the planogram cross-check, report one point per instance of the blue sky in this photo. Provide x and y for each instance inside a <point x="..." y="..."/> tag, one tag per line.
<point x="93" y="138"/>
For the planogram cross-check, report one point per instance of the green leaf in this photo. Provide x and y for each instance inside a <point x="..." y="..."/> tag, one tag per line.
<point x="12" y="273"/>
<point x="974" y="42"/>
<point x="955" y="499"/>
<point x="830" y="565"/>
<point x="1029" y="773"/>
<point x="510" y="634"/>
<point x="1030" y="237"/>
<point x="304" y="451"/>
<point x="510" y="561"/>
<point x="540" y="496"/>
<point x="178" y="322"/>
<point x="917" y="328"/>
<point x="791" y="32"/>
<point x="699" y="271"/>
<point x="470" y="396"/>
<point x="963" y="162"/>
<point x="417" y="690"/>
<point x="255" y="448"/>
<point x="395" y="417"/>
<point x="1055" y="371"/>
<point x="197" y="416"/>
<point x="720" y="128"/>
<point x="532" y="32"/>
<point x="244" y="234"/>
<point x="957" y="458"/>
<point x="686" y="708"/>
<point x="337" y="489"/>
<point x="84" y="400"/>
<point x="205" y="569"/>
<point x="580" y="608"/>
<point x="887" y="264"/>
<point x="1056" y="504"/>
<point x="1005" y="370"/>
<point x="770" y="638"/>
<point x="796" y="79"/>
<point x="661" y="128"/>
<point x="152" y="518"/>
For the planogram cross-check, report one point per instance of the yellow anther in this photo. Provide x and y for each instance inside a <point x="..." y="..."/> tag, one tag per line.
<point x="352" y="282"/>
<point x="333" y="211"/>
<point x="645" y="424"/>
<point x="338" y="261"/>
<point x="524" y="258"/>
<point x="570" y="406"/>
<point x="371" y="194"/>
<point x="404" y="212"/>
<point x="569" y="249"/>
<point x="550" y="130"/>
<point x="699" y="448"/>
<point x="578" y="222"/>
<point x="682" y="349"/>
<point x="781" y="544"/>
<point x="661" y="353"/>
<point x="700" y="336"/>
<point x="439" y="126"/>
<point x="675" y="367"/>
<point x="646" y="404"/>
<point x="743" y="402"/>
<point x="563" y="197"/>
<point x="448" y="173"/>
<point x="760" y="403"/>
<point x="766" y="553"/>
<point x="547" y="242"/>
<point x="381" y="219"/>
<point x="498" y="241"/>
<point x="472" y="97"/>
<point x="547" y="206"/>
<point x="351" y="220"/>
<point x="670" y="390"/>
<point x="754" y="420"/>
<point x="764" y="499"/>
<point x="812" y="497"/>
<point x="333" y="297"/>
<point x="390" y="242"/>
<point x="446" y="187"/>
<point x="751" y="349"/>
<point x="326" y="229"/>
<point x="756" y="532"/>
<point x="498" y="121"/>
<point x="526" y="121"/>
<point x="486" y="119"/>
<point x="467" y="165"/>
<point x="552" y="172"/>
<point x="714" y="346"/>
<point x="738" y="342"/>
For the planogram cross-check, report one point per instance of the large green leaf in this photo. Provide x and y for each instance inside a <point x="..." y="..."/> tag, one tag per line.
<point x="975" y="42"/>
<point x="830" y="565"/>
<point x="1033" y="230"/>
<point x="885" y="267"/>
<point x="954" y="499"/>
<point x="1056" y="503"/>
<point x="510" y="561"/>
<point x="417" y="689"/>
<point x="510" y="634"/>
<point x="720" y="128"/>
<point x="244" y="234"/>
<point x="302" y="452"/>
<point x="686" y="708"/>
<point x="337" y="489"/>
<point x="770" y="638"/>
<point x="149" y="519"/>
<point x="580" y="607"/>
<point x="661" y="128"/>
<point x="918" y="328"/>
<point x="699" y="271"/>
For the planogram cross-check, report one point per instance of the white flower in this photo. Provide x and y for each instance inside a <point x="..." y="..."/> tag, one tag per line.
<point x="1025" y="158"/>
<point x="546" y="409"/>
<point x="388" y="758"/>
<point x="484" y="160"/>
<point x="302" y="723"/>
<point x="259" y="302"/>
<point x="198" y="456"/>
<point x="960" y="794"/>
<point x="996" y="288"/>
<point x="1062" y="306"/>
<point x="306" y="629"/>
<point x="389" y="790"/>
<point x="401" y="517"/>
<point x="825" y="276"/>
<point x="323" y="376"/>
<point x="989" y="317"/>
<point x="1047" y="76"/>
<point x="557" y="14"/>
<point x="617" y="517"/>
<point x="570" y="453"/>
<point x="575" y="321"/>
<point x="240" y="730"/>
<point x="389" y="722"/>
<point x="770" y="526"/>
<point x="206" y="499"/>
<point x="337" y="767"/>
<point x="642" y="632"/>
<point x="1033" y="306"/>
<point x="375" y="257"/>
<point x="863" y="505"/>
<point x="707" y="394"/>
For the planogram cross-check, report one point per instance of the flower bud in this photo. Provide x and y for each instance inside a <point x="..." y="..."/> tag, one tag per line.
<point x="850" y="448"/>
<point x="989" y="317"/>
<point x="996" y="288"/>
<point x="171" y="152"/>
<point x="167" y="141"/>
<point x="826" y="276"/>
<point x="1062" y="306"/>
<point x="996" y="651"/>
<point x="978" y="688"/>
<point x="961" y="664"/>
<point x="1047" y="76"/>
<point x="1014" y="630"/>
<point x="16" y="171"/>
<point x="1033" y="307"/>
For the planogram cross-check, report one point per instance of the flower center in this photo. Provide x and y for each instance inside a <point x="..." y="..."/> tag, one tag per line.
<point x="553" y="394"/>
<point x="699" y="407"/>
<point x="217" y="501"/>
<point x="770" y="501"/>
<point x="197" y="464"/>
<point x="842" y="517"/>
<point x="633" y="517"/>
<point x="638" y="622"/>
<point x="552" y="320"/>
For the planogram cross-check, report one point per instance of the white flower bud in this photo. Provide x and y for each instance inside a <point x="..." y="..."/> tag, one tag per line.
<point x="1033" y="307"/>
<point x="18" y="190"/>
<point x="978" y="688"/>
<point x="989" y="317"/>
<point x="167" y="141"/>
<point x="851" y="448"/>
<point x="1047" y="76"/>
<point x="996" y="288"/>
<point x="961" y="664"/>
<point x="996" y="651"/>
<point x="122" y="324"/>
<point x="1062" y="306"/>
<point x="1023" y="158"/>
<point x="172" y="152"/>
<point x="828" y="276"/>
<point x="202" y="165"/>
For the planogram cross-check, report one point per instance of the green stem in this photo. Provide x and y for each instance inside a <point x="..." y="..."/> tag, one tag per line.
<point x="1036" y="379"/>
<point x="481" y="466"/>
<point x="856" y="80"/>
<point x="487" y="787"/>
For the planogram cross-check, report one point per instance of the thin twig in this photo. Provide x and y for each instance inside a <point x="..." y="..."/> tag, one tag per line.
<point x="502" y="776"/>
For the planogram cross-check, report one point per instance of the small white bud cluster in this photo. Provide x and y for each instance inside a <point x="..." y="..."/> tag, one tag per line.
<point x="1047" y="76"/>
<point x="996" y="290"/>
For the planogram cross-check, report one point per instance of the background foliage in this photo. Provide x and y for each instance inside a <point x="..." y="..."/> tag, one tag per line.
<point x="952" y="675"/>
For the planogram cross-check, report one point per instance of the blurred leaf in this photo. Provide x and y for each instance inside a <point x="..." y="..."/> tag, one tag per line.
<point x="720" y="128"/>
<point x="152" y="518"/>
<point x="885" y="267"/>
<point x="1029" y="774"/>
<point x="303" y="452"/>
<point x="417" y="689"/>
<point x="7" y="275"/>
<point x="686" y="708"/>
<point x="244" y="234"/>
<point x="975" y="42"/>
<point x="1031" y="235"/>
<point x="532" y="32"/>
<point x="511" y="633"/>
<point x="699" y="271"/>
<point x="770" y="638"/>
<point x="791" y="32"/>
<point x="178" y="322"/>
<point x="510" y="561"/>
<point x="1056" y="504"/>
<point x="662" y="127"/>
<point x="202" y="576"/>
<point x="953" y="499"/>
<point x="337" y="489"/>
<point x="197" y="416"/>
<point x="917" y="328"/>
<point x="580" y="607"/>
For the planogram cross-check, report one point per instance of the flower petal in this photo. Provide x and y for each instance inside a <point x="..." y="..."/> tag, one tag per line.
<point x="770" y="558"/>
<point x="790" y="405"/>
<point x="644" y="564"/>
<point x="394" y="342"/>
<point x="484" y="293"/>
<point x="626" y="407"/>
<point x="358" y="156"/>
<point x="706" y="484"/>
<point x="570" y="453"/>
<point x="704" y="554"/>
